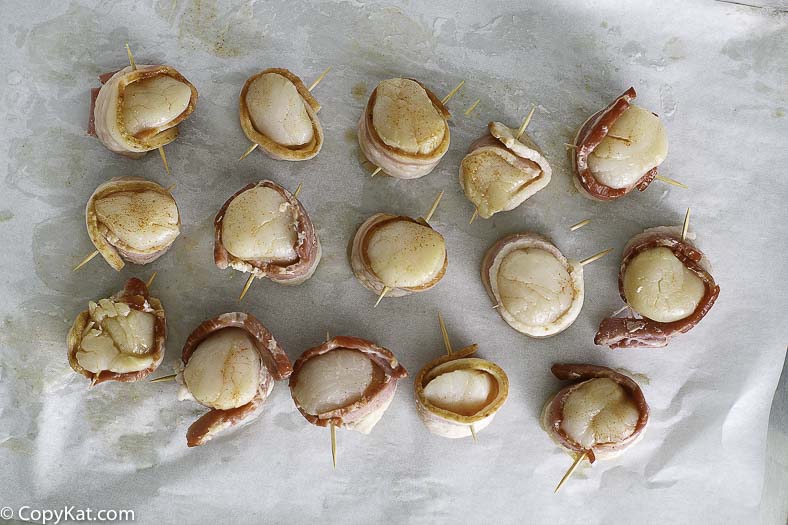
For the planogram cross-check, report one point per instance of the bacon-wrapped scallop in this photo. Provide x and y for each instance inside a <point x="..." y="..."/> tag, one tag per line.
<point x="458" y="395"/>
<point x="346" y="382"/>
<point x="500" y="171"/>
<point x="667" y="281"/>
<point x="264" y="230"/>
<point x="138" y="110"/>
<point x="404" y="129"/>
<point x="120" y="338"/>
<point x="132" y="219"/>
<point x="618" y="149"/>
<point x="535" y="289"/>
<point x="601" y="414"/>
<point x="229" y="364"/>
<point x="399" y="254"/>
<point x="279" y="114"/>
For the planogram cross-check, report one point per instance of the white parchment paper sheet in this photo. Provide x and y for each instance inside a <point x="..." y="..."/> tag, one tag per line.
<point x="715" y="72"/>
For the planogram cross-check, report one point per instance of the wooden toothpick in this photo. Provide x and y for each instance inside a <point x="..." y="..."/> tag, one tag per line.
<point x="246" y="287"/>
<point x="313" y="86"/>
<point x="595" y="257"/>
<point x="85" y="261"/>
<point x="334" y="444"/>
<point x="473" y="217"/>
<point x="170" y="187"/>
<point x="249" y="151"/>
<point x="672" y="182"/>
<point x="162" y="379"/>
<point x="150" y="281"/>
<point x="473" y="106"/>
<point x="383" y="293"/>
<point x="473" y="434"/>
<point x="434" y="207"/>
<point x="496" y="306"/>
<point x="164" y="159"/>
<point x="298" y="190"/>
<point x="453" y="92"/>
<point x="526" y="122"/>
<point x="622" y="139"/>
<point x="445" y="334"/>
<point x="685" y="228"/>
<point x="579" y="225"/>
<point x="575" y="464"/>
<point x="318" y="79"/>
<point x="377" y="170"/>
<point x="131" y="58"/>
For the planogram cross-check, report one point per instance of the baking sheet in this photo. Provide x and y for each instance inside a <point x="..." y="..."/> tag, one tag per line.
<point x="715" y="72"/>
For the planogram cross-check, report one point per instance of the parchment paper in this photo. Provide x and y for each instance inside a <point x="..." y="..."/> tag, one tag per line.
<point x="715" y="72"/>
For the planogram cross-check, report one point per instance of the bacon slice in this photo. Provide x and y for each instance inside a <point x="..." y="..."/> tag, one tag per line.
<point x="591" y="134"/>
<point x="552" y="415"/>
<point x="106" y="122"/>
<point x="273" y="357"/>
<point x="394" y="162"/>
<point x="376" y="398"/>
<point x="636" y="332"/>
<point x="307" y="248"/>
<point x="135" y="294"/>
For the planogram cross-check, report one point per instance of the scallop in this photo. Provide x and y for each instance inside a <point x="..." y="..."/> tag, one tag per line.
<point x="346" y="382"/>
<point x="120" y="338"/>
<point x="151" y="103"/>
<point x="264" y="230"/>
<point x="137" y="110"/>
<point x="229" y="364"/>
<point x="501" y="171"/>
<point x="224" y="370"/>
<point x="536" y="290"/>
<point x="279" y="114"/>
<point x="132" y="219"/>
<point x="400" y="254"/>
<point x="636" y="143"/>
<point x="659" y="286"/>
<point x="456" y="392"/>
<point x="404" y="129"/>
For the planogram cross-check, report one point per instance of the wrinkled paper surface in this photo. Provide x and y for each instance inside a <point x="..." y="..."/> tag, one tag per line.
<point x="715" y="72"/>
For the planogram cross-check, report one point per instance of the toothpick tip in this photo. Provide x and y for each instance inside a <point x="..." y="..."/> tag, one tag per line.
<point x="246" y="287"/>
<point x="383" y="293"/>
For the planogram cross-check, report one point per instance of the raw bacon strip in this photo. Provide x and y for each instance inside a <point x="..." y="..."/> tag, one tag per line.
<point x="591" y="134"/>
<point x="272" y="355"/>
<point x="135" y="294"/>
<point x="395" y="162"/>
<point x="307" y="248"/>
<point x="632" y="332"/>
<point x="377" y="397"/>
<point x="552" y="416"/>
